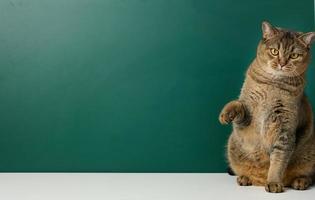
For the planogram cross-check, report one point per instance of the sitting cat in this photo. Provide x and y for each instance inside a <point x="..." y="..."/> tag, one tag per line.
<point x="273" y="141"/>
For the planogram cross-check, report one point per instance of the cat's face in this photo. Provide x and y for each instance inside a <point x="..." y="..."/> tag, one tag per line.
<point x="284" y="53"/>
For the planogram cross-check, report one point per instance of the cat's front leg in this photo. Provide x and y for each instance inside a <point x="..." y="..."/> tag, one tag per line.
<point x="280" y="153"/>
<point x="234" y="111"/>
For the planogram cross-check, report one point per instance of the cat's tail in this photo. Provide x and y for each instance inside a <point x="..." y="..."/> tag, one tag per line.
<point x="230" y="171"/>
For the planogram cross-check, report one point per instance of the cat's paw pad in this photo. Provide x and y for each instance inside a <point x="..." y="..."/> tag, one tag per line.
<point x="301" y="183"/>
<point x="234" y="110"/>
<point x="227" y="116"/>
<point x="274" y="187"/>
<point x="243" y="181"/>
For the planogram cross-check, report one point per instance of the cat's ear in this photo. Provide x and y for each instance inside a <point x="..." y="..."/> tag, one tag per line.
<point x="268" y="30"/>
<point x="307" y="38"/>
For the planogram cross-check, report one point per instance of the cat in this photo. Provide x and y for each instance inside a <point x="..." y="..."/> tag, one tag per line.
<point x="273" y="142"/>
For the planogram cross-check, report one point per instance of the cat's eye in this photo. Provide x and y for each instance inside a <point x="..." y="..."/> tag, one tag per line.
<point x="274" y="51"/>
<point x="294" y="56"/>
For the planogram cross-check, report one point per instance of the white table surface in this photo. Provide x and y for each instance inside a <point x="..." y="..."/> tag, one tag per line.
<point x="126" y="186"/>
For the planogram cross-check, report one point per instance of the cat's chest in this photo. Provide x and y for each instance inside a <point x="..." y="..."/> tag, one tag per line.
<point x="265" y="99"/>
<point x="267" y="104"/>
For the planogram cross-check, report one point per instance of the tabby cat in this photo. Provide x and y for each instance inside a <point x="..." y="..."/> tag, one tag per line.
<point x="273" y="143"/>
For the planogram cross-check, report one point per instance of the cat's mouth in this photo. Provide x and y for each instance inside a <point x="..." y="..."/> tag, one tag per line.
<point x="285" y="68"/>
<point x="282" y="68"/>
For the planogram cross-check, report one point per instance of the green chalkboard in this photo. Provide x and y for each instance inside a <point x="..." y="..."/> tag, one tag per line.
<point x="126" y="85"/>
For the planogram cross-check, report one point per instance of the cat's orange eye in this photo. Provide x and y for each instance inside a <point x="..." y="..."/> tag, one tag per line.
<point x="294" y="56"/>
<point x="274" y="51"/>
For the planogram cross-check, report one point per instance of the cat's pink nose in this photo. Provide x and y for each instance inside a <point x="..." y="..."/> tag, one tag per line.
<point x="282" y="63"/>
<point x="280" y="66"/>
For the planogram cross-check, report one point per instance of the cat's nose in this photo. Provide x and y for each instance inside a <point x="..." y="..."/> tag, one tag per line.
<point x="282" y="63"/>
<point x="281" y="66"/>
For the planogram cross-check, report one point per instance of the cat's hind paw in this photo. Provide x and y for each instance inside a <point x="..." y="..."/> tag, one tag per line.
<point x="243" y="181"/>
<point x="301" y="183"/>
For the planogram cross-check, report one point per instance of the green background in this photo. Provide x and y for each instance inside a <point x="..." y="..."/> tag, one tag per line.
<point x="127" y="85"/>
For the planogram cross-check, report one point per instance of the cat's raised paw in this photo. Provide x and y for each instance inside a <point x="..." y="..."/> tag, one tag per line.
<point x="232" y="111"/>
<point x="274" y="187"/>
<point x="227" y="117"/>
<point x="301" y="183"/>
<point x="243" y="181"/>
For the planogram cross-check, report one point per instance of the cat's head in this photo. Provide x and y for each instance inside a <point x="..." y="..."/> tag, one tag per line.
<point x="282" y="52"/>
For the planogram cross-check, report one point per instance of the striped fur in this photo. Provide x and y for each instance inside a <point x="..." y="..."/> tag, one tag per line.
<point x="273" y="142"/>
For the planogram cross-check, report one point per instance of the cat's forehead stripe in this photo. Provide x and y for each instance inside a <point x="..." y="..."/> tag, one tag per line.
<point x="286" y="42"/>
